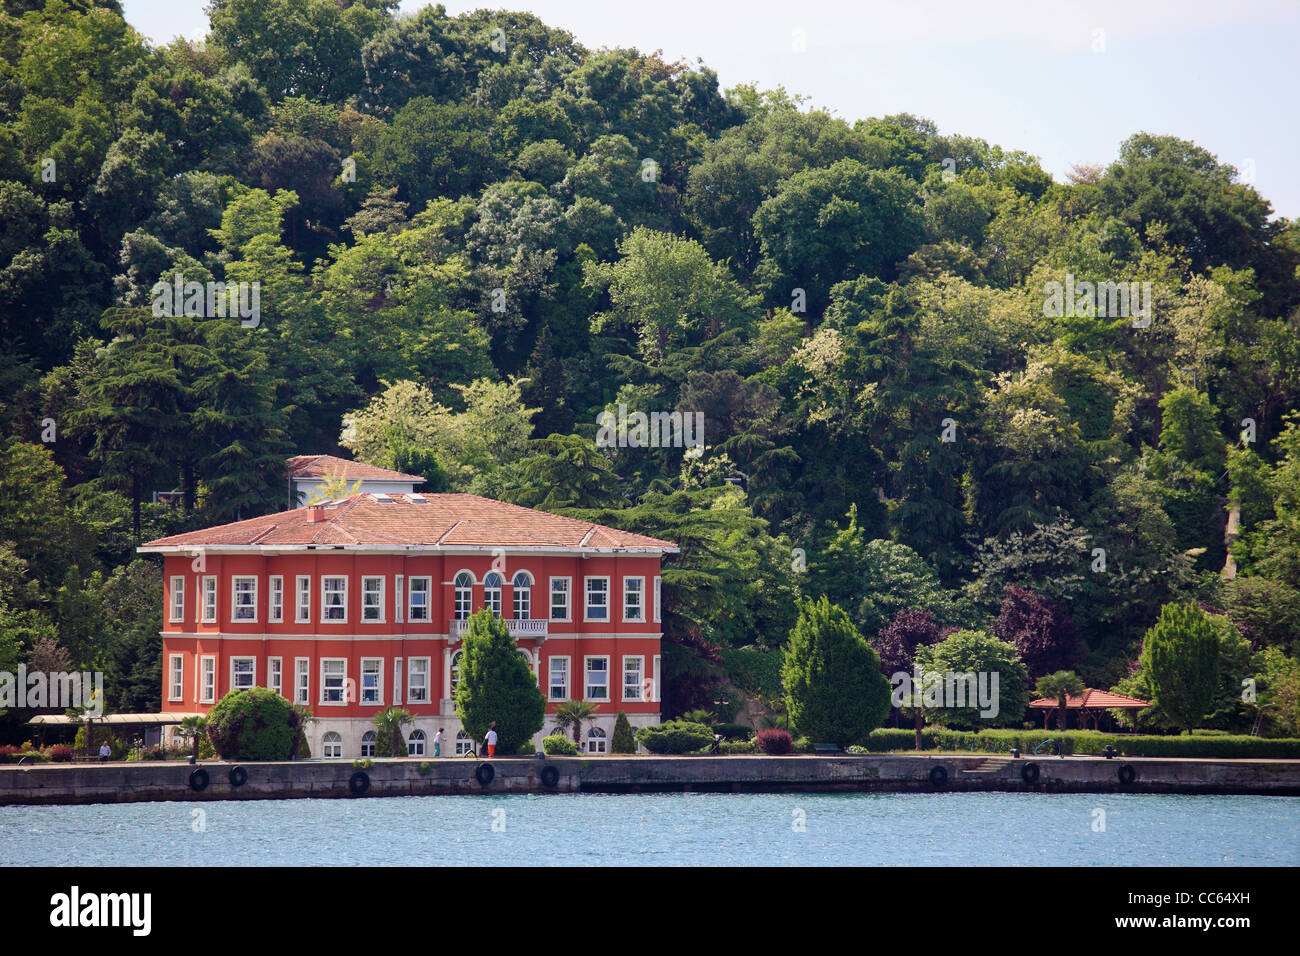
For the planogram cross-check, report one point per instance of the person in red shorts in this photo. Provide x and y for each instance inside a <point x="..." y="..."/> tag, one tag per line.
<point x="492" y="739"/>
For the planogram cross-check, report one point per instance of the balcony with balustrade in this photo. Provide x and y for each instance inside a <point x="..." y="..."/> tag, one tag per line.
<point x="516" y="627"/>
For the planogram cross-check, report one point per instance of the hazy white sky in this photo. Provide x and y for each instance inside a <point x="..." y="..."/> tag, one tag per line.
<point x="1020" y="73"/>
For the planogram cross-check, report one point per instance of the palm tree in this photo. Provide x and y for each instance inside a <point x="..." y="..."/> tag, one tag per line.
<point x="87" y="712"/>
<point x="1060" y="685"/>
<point x="193" y="728"/>
<point x="388" y="726"/>
<point x="575" y="713"/>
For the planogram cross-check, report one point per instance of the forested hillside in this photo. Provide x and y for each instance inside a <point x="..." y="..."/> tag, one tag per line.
<point x="471" y="236"/>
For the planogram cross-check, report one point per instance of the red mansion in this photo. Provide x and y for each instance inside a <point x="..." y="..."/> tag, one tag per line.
<point x="355" y="605"/>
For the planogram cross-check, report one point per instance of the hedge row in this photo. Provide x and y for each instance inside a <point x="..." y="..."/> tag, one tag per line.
<point x="1088" y="742"/>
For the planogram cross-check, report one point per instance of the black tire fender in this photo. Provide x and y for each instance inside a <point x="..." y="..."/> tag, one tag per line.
<point x="238" y="776"/>
<point x="550" y="777"/>
<point x="199" y="779"/>
<point x="485" y="773"/>
<point x="938" y="775"/>
<point x="1029" y="773"/>
<point x="359" y="783"/>
<point x="1127" y="774"/>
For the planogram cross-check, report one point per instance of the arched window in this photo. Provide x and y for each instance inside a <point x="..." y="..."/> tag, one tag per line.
<point x="455" y="671"/>
<point x="492" y="593"/>
<point x="368" y="744"/>
<point x="464" y="595"/>
<point x="415" y="744"/>
<point x="596" y="742"/>
<point x="463" y="744"/>
<point x="523" y="584"/>
<point x="528" y="658"/>
<point x="332" y="745"/>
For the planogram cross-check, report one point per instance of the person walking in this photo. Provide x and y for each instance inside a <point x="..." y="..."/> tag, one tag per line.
<point x="437" y="743"/>
<point x="105" y="751"/>
<point x="492" y="739"/>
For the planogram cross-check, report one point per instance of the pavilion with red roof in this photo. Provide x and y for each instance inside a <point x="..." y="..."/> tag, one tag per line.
<point x="1089" y="705"/>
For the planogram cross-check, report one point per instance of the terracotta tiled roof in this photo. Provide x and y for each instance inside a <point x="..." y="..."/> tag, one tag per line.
<point x="322" y="466"/>
<point x="1092" y="698"/>
<point x="430" y="521"/>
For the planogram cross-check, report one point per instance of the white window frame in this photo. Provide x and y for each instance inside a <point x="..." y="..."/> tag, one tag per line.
<point x="526" y="592"/>
<point x="176" y="606"/>
<point x="302" y="680"/>
<point x="324" y="599"/>
<point x="639" y="685"/>
<point x="568" y="599"/>
<point x="176" y="677"/>
<point x="453" y="673"/>
<point x="595" y="734"/>
<point x="368" y="746"/>
<point x="207" y="675"/>
<point x="586" y="678"/>
<point x="587" y="582"/>
<point x="326" y="745"/>
<point x="654" y="681"/>
<point x="275" y="599"/>
<point x="639" y="591"/>
<point x="249" y="606"/>
<point x="417" y="612"/>
<point x="550" y="676"/>
<point x="243" y="658"/>
<point x="208" y="598"/>
<point x="658" y="591"/>
<point x="302" y="599"/>
<point x="399" y="594"/>
<point x="492" y="596"/>
<point x="378" y="671"/>
<point x="416" y="694"/>
<point x="458" y="590"/>
<point x="417" y="743"/>
<point x="275" y="674"/>
<point x="342" y="678"/>
<point x="366" y="608"/>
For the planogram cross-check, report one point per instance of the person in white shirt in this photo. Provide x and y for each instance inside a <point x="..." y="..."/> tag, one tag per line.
<point x="437" y="743"/>
<point x="492" y="739"/>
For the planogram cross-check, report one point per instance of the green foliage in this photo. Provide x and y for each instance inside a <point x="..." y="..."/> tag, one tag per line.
<point x="674" y="737"/>
<point x="1083" y="742"/>
<point x="559" y="745"/>
<point x="1180" y="661"/>
<point x="390" y="740"/>
<point x="834" y="689"/>
<point x="975" y="652"/>
<point x="253" y="724"/>
<point x="623" y="741"/>
<point x="496" y="685"/>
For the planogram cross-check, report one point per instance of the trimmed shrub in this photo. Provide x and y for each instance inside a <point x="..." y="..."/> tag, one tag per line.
<point x="526" y="749"/>
<point x="675" y="737"/>
<point x="1083" y="742"/>
<point x="624" y="741"/>
<point x="59" y="753"/>
<point x="9" y="753"/>
<point x="253" y="724"/>
<point x="154" y="753"/>
<point x="734" y="731"/>
<point x="365" y="763"/>
<point x="559" y="745"/>
<point x="738" y="747"/>
<point x="774" y="742"/>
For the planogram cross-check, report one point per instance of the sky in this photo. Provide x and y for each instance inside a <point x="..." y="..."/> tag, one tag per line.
<point x="1067" y="82"/>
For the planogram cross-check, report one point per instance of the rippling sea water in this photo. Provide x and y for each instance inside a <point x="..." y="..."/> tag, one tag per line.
<point x="671" y="829"/>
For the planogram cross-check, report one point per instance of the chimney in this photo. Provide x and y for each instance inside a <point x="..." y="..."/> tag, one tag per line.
<point x="315" y="514"/>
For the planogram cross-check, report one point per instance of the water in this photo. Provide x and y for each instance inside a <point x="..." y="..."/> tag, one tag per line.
<point x="671" y="829"/>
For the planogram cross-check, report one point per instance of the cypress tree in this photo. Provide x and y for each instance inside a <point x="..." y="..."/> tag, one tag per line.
<point x="1180" y="657"/>
<point x="834" y="689"/>
<point x="624" y="742"/>
<point x="497" y="685"/>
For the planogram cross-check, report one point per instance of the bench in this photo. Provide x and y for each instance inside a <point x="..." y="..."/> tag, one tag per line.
<point x="826" y="749"/>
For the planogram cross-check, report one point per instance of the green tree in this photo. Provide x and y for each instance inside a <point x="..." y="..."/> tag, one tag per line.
<point x="834" y="689"/>
<point x="623" y="742"/>
<point x="1060" y="685"/>
<point x="193" y="729"/>
<point x="572" y="714"/>
<point x="1180" y="658"/>
<point x="389" y="738"/>
<point x="497" y="685"/>
<point x="974" y="653"/>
